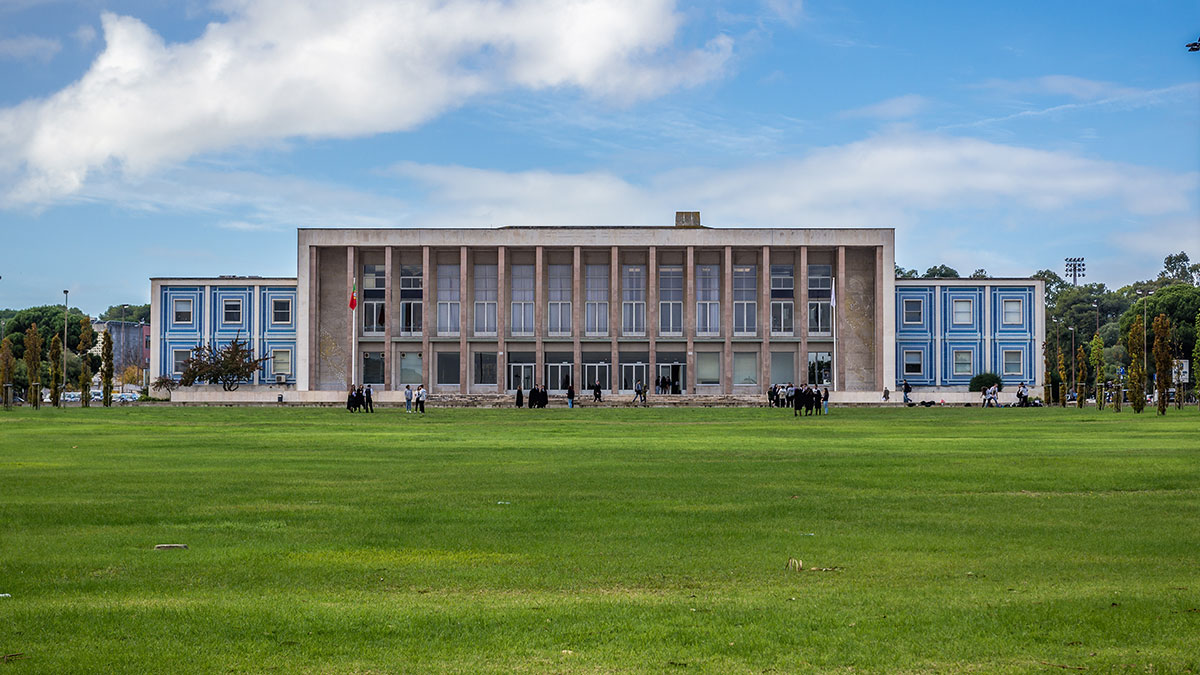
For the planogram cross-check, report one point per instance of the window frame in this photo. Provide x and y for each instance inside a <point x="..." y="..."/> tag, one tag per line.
<point x="920" y="302"/>
<point x="920" y="364"/>
<point x="818" y="304"/>
<point x="699" y="369"/>
<point x="790" y="305"/>
<point x="175" y="362"/>
<point x="275" y="362"/>
<point x="275" y="311"/>
<point x="1020" y="303"/>
<point x="175" y="311"/>
<point x="1020" y="370"/>
<point x="954" y="362"/>
<point x="416" y="310"/>
<point x="954" y="304"/>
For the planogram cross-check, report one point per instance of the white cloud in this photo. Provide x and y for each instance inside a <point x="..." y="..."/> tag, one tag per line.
<point x="1078" y="88"/>
<point x="893" y="108"/>
<point x="29" y="48"/>
<point x="279" y="69"/>
<point x="84" y="35"/>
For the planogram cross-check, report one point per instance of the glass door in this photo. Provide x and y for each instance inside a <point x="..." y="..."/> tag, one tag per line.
<point x="596" y="372"/>
<point x="671" y="377"/>
<point x="631" y="374"/>
<point x="520" y="375"/>
<point x="558" y="376"/>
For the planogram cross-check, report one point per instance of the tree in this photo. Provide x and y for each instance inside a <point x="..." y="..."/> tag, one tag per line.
<point x="1196" y="360"/>
<point x="1062" y="380"/>
<point x="49" y="320"/>
<point x="1177" y="269"/>
<point x="1080" y="376"/>
<point x="164" y="383"/>
<point x="1054" y="285"/>
<point x="228" y="366"/>
<point x="902" y="273"/>
<point x="1137" y="376"/>
<point x="1179" y="302"/>
<point x="1097" y="360"/>
<point x="980" y="274"/>
<point x="56" y="355"/>
<point x="33" y="361"/>
<point x="940" y="272"/>
<point x="7" y="362"/>
<point x="985" y="380"/>
<point x="106" y="370"/>
<point x="131" y="375"/>
<point x="1047" y="382"/>
<point x="1162" y="361"/>
<point x="87" y="339"/>
<point x="132" y="313"/>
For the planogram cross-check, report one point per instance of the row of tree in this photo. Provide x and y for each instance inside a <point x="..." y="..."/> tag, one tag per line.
<point x="49" y="372"/>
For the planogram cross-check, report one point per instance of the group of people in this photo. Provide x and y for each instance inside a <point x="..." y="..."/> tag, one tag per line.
<point x="539" y="397"/>
<point x="359" y="400"/>
<point x="807" y="398"/>
<point x="664" y="385"/>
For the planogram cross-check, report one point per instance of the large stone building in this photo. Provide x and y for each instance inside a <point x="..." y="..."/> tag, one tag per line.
<point x="703" y="310"/>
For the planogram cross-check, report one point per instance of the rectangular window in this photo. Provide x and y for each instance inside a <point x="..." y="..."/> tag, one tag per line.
<point x="670" y="301"/>
<point x="410" y="368"/>
<point x="708" y="368"/>
<point x="783" y="367"/>
<point x="231" y="311"/>
<point x="820" y="368"/>
<point x="372" y="368"/>
<point x="412" y="316"/>
<point x="1012" y="312"/>
<point x="745" y="302"/>
<point x="448" y="296"/>
<point x="374" y="288"/>
<point x="782" y="319"/>
<point x="708" y="305"/>
<point x="486" y="293"/>
<point x="521" y="321"/>
<point x="1012" y="363"/>
<point x="745" y="367"/>
<point x="281" y="311"/>
<point x="281" y="362"/>
<point x="820" y="282"/>
<point x="182" y="310"/>
<point x="596" y="289"/>
<point x="962" y="363"/>
<point x="913" y="311"/>
<point x="558" y="320"/>
<point x="374" y="316"/>
<point x="783" y="282"/>
<point x="633" y="300"/>
<point x="179" y="359"/>
<point x="485" y="367"/>
<point x="962" y="311"/>
<point x="447" y="368"/>
<point x="411" y="283"/>
<point x="820" y="317"/>
<point x="914" y="363"/>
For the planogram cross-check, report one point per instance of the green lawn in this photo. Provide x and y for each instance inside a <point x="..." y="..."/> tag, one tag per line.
<point x="933" y="540"/>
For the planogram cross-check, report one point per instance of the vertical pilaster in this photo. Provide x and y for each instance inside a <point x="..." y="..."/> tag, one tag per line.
<point x="727" y="323"/>
<point x="764" y="318"/>
<point x="614" y="316"/>
<point x="464" y="355"/>
<point x="389" y="315"/>
<point x="501" y="323"/>
<point x="839" y="367"/>
<point x="352" y="331"/>
<point x="314" y="327"/>
<point x="802" y="314"/>
<point x="985" y="359"/>
<point x="652" y="315"/>
<point x="577" y="320"/>
<point x="539" y="315"/>
<point x="879" y="319"/>
<point x="689" y="317"/>
<point x="428" y="309"/>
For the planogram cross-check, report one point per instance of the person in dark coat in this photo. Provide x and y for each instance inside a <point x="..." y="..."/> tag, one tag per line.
<point x="368" y="404"/>
<point x="520" y="397"/>
<point x="810" y="396"/>
<point x="596" y="391"/>
<point x="797" y="402"/>
<point x="350" y="400"/>
<point x="570" y="396"/>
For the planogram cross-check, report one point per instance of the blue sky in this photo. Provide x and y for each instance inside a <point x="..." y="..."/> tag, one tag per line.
<point x="157" y="138"/>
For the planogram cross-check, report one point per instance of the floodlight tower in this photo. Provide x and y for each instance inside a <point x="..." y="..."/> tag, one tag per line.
<point x="1075" y="269"/>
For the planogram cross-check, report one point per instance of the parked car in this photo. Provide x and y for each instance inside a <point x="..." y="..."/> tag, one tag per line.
<point x="71" y="397"/>
<point x="128" y="397"/>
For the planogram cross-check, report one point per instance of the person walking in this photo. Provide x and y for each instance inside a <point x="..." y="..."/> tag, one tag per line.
<point x="421" y="396"/>
<point x="825" y="400"/>
<point x="570" y="396"/>
<point x="638" y="393"/>
<point x="370" y="404"/>
<point x="907" y="391"/>
<point x="596" y="391"/>
<point x="350" y="400"/>
<point x="408" y="398"/>
<point x="520" y="397"/>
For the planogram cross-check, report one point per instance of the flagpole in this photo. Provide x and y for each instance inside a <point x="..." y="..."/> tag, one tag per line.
<point x="354" y="334"/>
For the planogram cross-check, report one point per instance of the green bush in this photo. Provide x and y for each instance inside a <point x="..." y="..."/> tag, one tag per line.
<point x="984" y="380"/>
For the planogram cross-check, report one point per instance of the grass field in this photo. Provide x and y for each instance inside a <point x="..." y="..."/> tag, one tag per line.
<point x="648" y="540"/>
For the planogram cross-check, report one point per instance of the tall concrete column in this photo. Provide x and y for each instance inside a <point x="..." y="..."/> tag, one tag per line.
<point x="314" y="327"/>
<point x="428" y="307"/>
<point x="840" y="326"/>
<point x="727" y="323"/>
<point x="689" y="317"/>
<point x="501" y="324"/>
<point x="464" y="356"/>
<point x="388" y="315"/>
<point x="614" y="316"/>
<point x="801" y="276"/>
<point x="539" y="316"/>
<point x="352" y="332"/>
<point x="879" y="320"/>
<point x="577" y="319"/>
<point x="764" y="318"/>
<point x="652" y="314"/>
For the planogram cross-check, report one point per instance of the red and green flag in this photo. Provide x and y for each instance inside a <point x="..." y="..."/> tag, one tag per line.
<point x="354" y="294"/>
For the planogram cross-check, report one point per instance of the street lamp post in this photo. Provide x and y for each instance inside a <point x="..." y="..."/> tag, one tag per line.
<point x="1096" y="304"/>
<point x="66" y="305"/>
<point x="1074" y="384"/>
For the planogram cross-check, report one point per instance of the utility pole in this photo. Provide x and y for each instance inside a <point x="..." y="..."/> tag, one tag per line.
<point x="1074" y="384"/>
<point x="66" y="305"/>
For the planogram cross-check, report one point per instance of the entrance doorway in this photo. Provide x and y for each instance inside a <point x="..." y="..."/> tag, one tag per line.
<point x="558" y="376"/>
<point x="596" y="372"/>
<point x="520" y="376"/>
<point x="631" y="374"/>
<point x="676" y="375"/>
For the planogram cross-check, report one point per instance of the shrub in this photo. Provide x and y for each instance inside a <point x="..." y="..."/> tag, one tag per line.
<point x="984" y="380"/>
